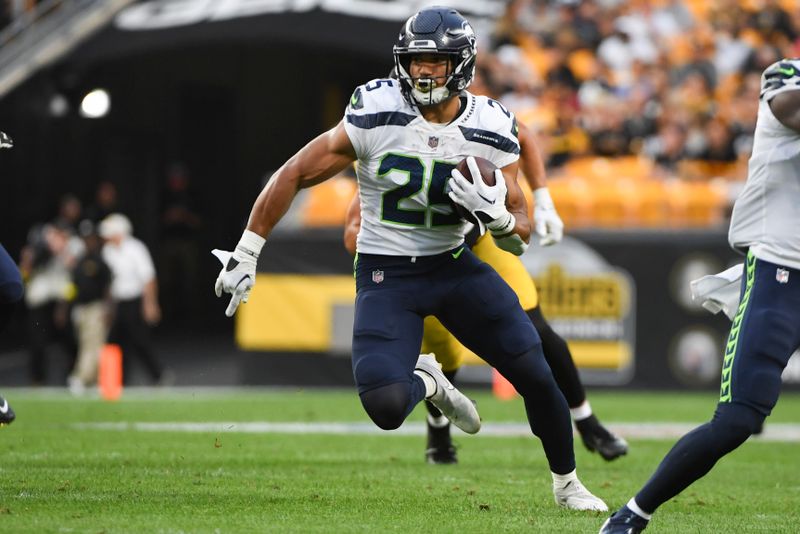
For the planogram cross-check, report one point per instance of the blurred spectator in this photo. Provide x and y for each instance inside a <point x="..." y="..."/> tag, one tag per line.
<point x="585" y="23"/>
<point x="45" y="263"/>
<point x="700" y="64"/>
<point x="179" y="252"/>
<point x="718" y="143"/>
<point x="69" y="213"/>
<point x="565" y="141"/>
<point x="667" y="147"/>
<point x="105" y="202"/>
<point x="134" y="291"/>
<point x="640" y="118"/>
<point x="732" y="51"/>
<point x="771" y="21"/>
<point x="606" y="128"/>
<point x="762" y="57"/>
<point x="92" y="279"/>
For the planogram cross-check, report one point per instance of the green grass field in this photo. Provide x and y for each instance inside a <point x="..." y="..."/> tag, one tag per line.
<point x="59" y="475"/>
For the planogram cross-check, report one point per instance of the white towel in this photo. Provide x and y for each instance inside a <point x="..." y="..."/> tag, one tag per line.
<point x="719" y="292"/>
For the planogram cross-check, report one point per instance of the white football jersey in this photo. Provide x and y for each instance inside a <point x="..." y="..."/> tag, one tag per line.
<point x="404" y="163"/>
<point x="766" y="216"/>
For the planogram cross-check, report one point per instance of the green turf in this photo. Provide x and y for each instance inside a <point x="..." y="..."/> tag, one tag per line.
<point x="55" y="478"/>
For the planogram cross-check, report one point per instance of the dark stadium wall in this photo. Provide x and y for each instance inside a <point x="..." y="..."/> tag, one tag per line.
<point x="231" y="113"/>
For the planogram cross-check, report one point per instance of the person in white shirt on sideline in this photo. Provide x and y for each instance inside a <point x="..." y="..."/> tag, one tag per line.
<point x="134" y="290"/>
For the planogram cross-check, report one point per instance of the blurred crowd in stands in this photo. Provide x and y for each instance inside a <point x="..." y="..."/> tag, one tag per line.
<point x="644" y="109"/>
<point x="672" y="80"/>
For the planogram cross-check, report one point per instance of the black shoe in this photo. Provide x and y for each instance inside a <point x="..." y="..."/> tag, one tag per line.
<point x="6" y="413"/>
<point x="597" y="438"/>
<point x="440" y="447"/>
<point x="624" y="521"/>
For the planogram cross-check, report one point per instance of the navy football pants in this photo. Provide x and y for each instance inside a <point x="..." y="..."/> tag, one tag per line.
<point x="11" y="288"/>
<point x="395" y="294"/>
<point x="764" y="334"/>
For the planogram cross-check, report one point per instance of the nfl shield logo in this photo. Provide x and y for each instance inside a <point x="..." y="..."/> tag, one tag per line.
<point x="433" y="142"/>
<point x="782" y="275"/>
<point x="377" y="276"/>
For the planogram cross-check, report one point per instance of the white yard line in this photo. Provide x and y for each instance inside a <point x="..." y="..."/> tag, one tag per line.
<point x="652" y="431"/>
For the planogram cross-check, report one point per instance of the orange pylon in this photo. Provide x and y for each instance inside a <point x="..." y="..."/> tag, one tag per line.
<point x="109" y="373"/>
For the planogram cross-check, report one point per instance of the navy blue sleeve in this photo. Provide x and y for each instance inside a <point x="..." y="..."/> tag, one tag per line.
<point x="11" y="287"/>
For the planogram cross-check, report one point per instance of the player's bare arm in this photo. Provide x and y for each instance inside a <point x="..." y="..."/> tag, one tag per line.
<point x="324" y="157"/>
<point x="548" y="224"/>
<point x="352" y="224"/>
<point x="786" y="108"/>
<point x="319" y="160"/>
<point x="530" y="158"/>
<point x="515" y="202"/>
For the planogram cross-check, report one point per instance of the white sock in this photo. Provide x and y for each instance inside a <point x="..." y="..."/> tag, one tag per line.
<point x="638" y="511"/>
<point x="438" y="422"/>
<point x="584" y="411"/>
<point x="559" y="481"/>
<point x="430" y="383"/>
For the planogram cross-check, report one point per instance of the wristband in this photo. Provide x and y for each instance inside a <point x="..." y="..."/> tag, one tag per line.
<point x="250" y="244"/>
<point x="503" y="225"/>
<point x="542" y="198"/>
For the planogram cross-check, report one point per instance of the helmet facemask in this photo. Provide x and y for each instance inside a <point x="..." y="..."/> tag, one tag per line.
<point x="426" y="91"/>
<point x="441" y="32"/>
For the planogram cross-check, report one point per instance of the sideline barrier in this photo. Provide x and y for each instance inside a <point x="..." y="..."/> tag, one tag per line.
<point x="621" y="299"/>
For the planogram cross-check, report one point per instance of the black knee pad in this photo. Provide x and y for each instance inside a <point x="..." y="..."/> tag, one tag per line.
<point x="737" y="421"/>
<point x="387" y="405"/>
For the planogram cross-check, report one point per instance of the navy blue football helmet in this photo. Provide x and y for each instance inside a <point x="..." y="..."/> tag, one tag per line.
<point x="436" y="30"/>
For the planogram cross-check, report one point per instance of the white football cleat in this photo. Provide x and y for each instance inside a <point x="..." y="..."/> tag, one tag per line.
<point x="575" y="496"/>
<point x="451" y="402"/>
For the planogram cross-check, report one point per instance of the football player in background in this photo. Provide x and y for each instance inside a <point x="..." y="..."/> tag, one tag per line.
<point x="11" y="290"/>
<point x="766" y="328"/>
<point x="408" y="135"/>
<point x="450" y="353"/>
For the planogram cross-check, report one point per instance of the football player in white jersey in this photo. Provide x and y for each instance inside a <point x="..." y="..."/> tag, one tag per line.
<point x="408" y="134"/>
<point x="450" y="353"/>
<point x="766" y="329"/>
<point x="11" y="290"/>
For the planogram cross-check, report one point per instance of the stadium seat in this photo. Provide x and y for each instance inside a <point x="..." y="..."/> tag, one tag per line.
<point x="652" y="209"/>
<point x="574" y="200"/>
<point x="600" y="168"/>
<point x="616" y="204"/>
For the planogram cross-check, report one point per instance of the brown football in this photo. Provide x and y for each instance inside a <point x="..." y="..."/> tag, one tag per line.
<point x="487" y="169"/>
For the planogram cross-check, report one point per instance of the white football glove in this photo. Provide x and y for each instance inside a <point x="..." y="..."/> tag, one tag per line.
<point x="5" y="140"/>
<point x="548" y="224"/>
<point x="238" y="274"/>
<point x="486" y="202"/>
